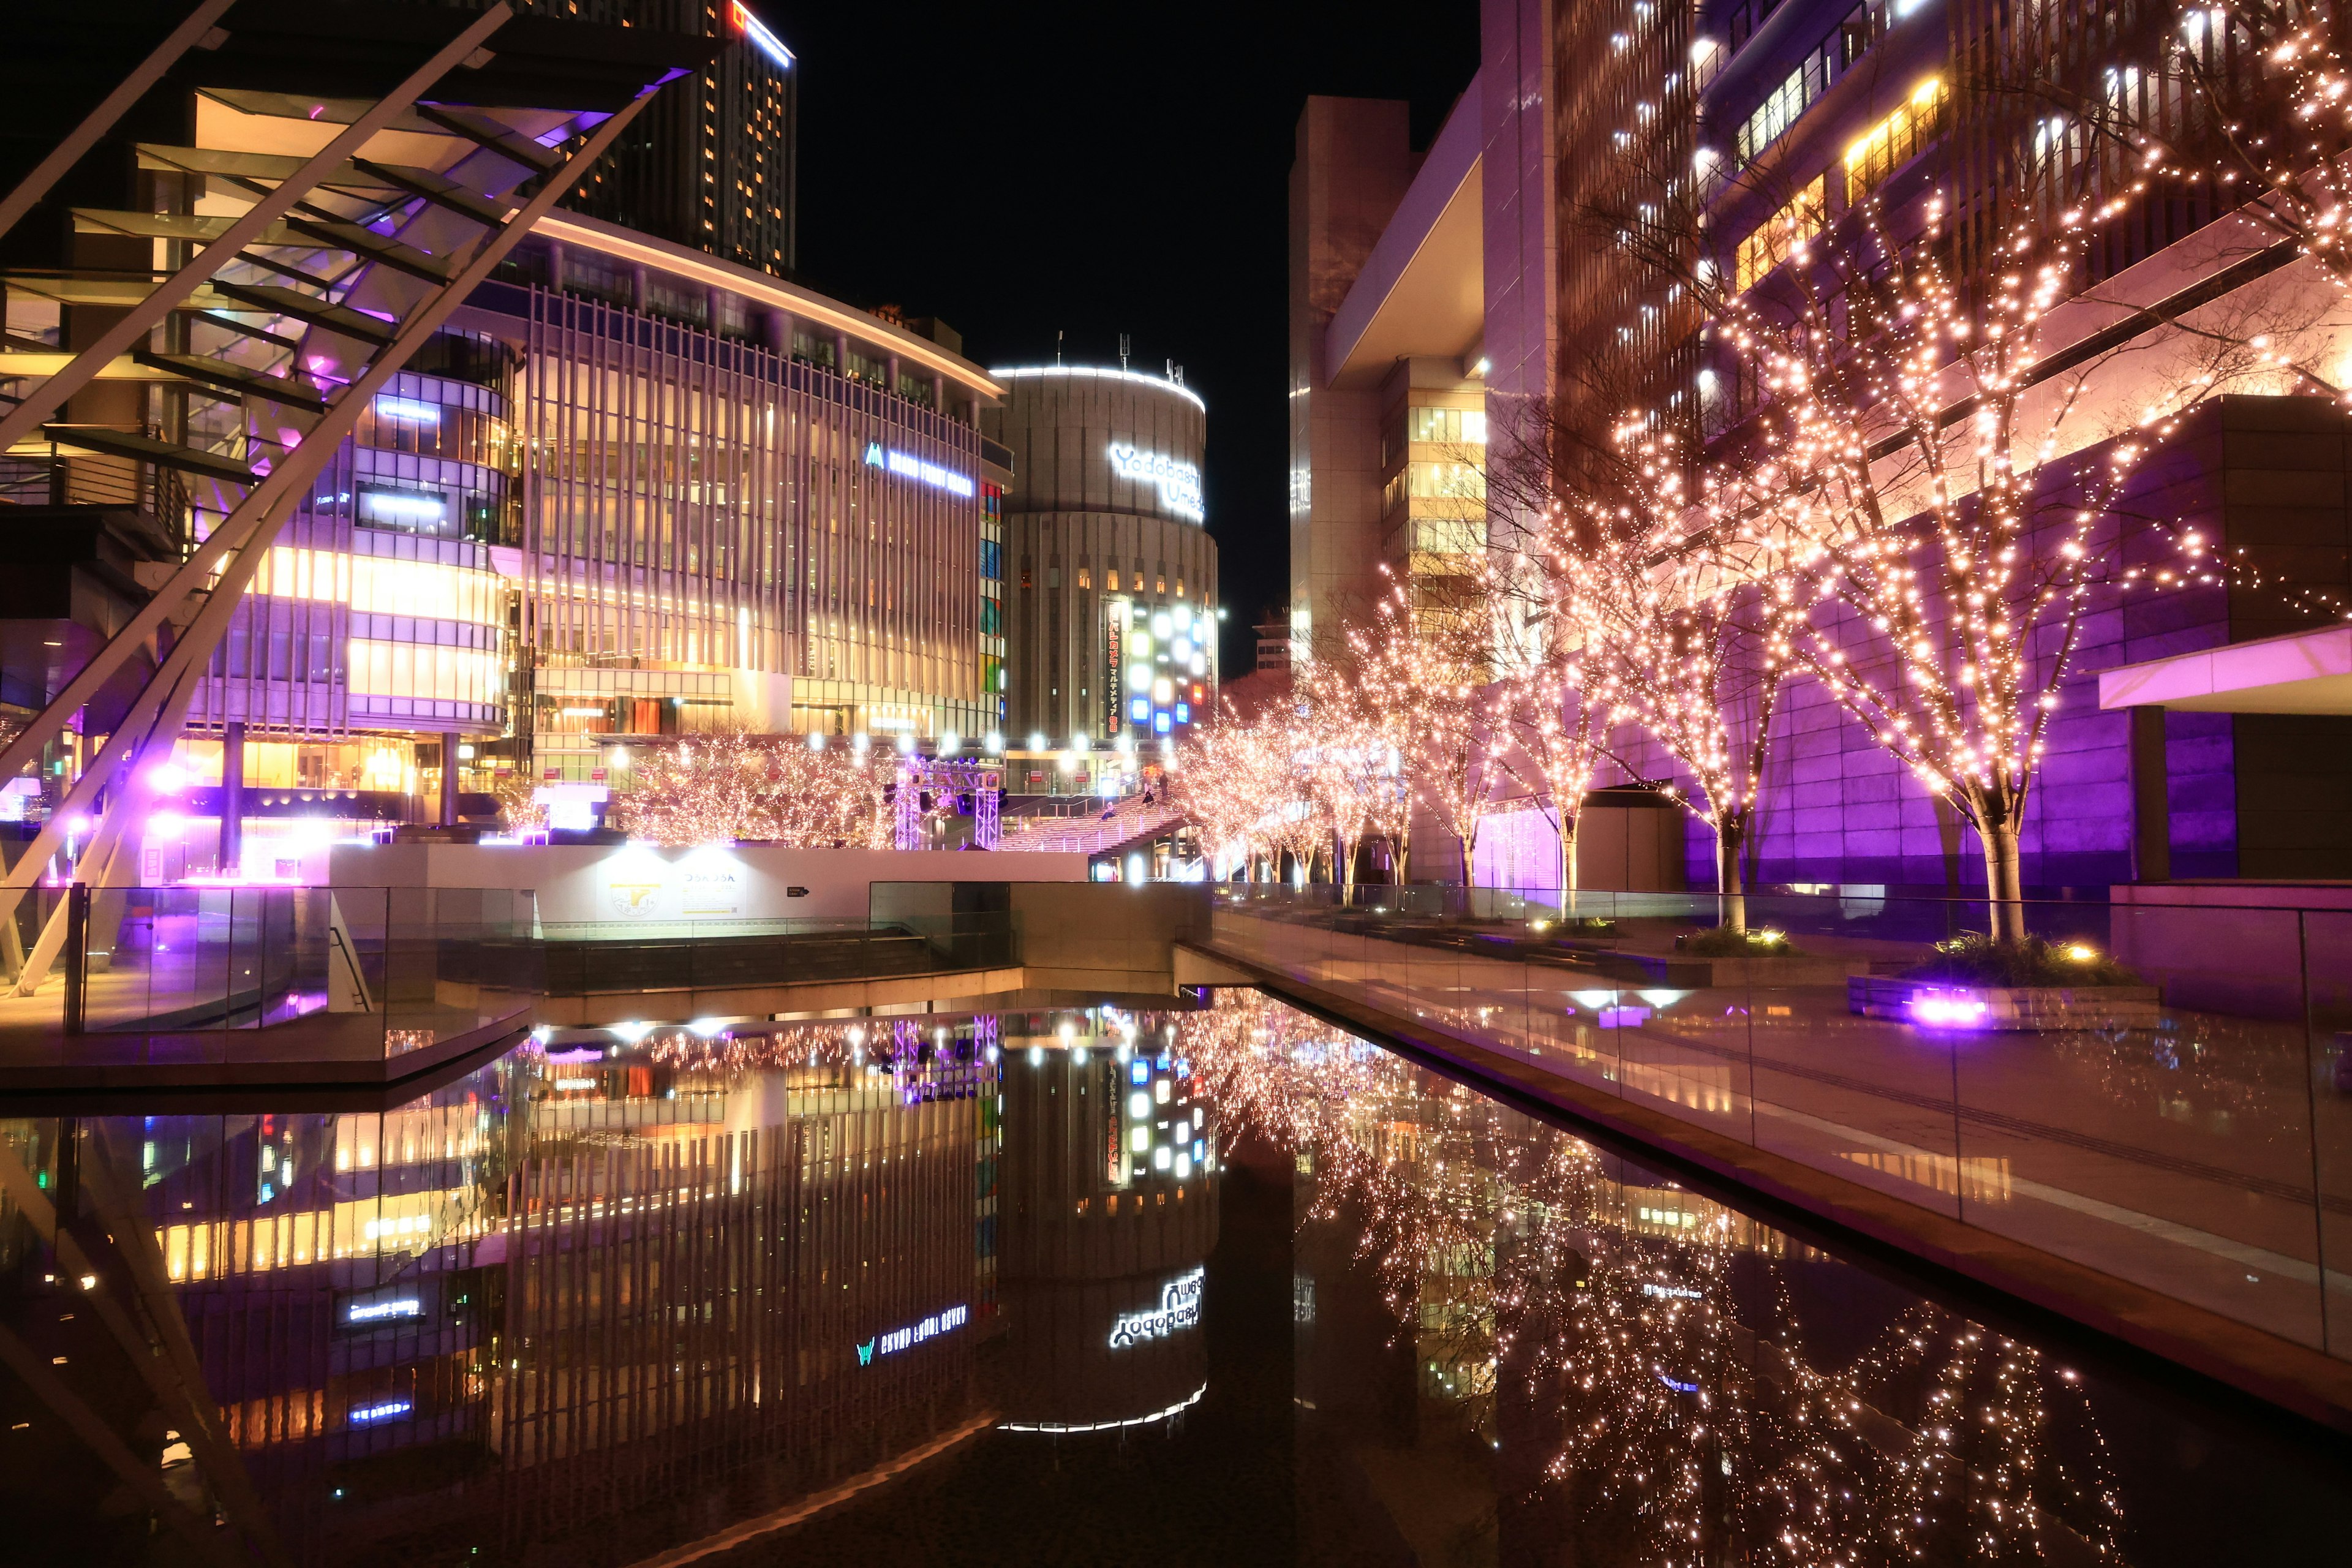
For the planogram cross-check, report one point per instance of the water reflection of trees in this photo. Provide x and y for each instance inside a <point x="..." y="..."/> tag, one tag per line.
<point x="1649" y="1339"/>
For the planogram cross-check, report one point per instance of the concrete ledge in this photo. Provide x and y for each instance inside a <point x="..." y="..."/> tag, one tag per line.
<point x="2292" y="1377"/>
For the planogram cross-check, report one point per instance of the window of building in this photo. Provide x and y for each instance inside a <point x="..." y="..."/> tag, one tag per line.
<point x="1785" y="102"/>
<point x="1448" y="481"/>
<point x="1778" y="235"/>
<point x="1886" y="146"/>
<point x="1450" y="427"/>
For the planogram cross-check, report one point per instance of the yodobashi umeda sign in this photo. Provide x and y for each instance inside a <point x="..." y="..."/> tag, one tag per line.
<point x="1179" y="481"/>
<point x="1178" y="1309"/>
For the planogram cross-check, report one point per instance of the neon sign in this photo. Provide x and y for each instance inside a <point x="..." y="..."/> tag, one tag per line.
<point x="751" y="27"/>
<point x="1179" y="482"/>
<point x="897" y="1340"/>
<point x="906" y="466"/>
<point x="1178" y="1309"/>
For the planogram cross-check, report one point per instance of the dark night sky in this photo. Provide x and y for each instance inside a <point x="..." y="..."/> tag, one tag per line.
<point x="1017" y="168"/>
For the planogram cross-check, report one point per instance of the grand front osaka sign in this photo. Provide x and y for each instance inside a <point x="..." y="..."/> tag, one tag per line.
<point x="1179" y="481"/>
<point x="1180" y="1307"/>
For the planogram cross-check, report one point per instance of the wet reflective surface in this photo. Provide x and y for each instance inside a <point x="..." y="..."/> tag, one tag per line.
<point x="1203" y="1286"/>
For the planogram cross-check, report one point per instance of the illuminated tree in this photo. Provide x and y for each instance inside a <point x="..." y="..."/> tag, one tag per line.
<point x="1934" y="511"/>
<point x="1659" y="578"/>
<point x="1355" y="756"/>
<point x="1424" y="661"/>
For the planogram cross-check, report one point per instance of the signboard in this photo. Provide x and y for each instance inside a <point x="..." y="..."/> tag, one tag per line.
<point x="1115" y="622"/>
<point x="1178" y="1309"/>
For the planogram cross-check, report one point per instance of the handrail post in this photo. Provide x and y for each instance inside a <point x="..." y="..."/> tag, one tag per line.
<point x="76" y="956"/>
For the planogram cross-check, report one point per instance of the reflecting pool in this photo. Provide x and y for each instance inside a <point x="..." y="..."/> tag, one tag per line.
<point x="1212" y="1286"/>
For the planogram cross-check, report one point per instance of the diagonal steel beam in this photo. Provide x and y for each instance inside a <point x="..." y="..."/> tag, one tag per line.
<point x="193" y="33"/>
<point x="45" y="399"/>
<point x="162" y="705"/>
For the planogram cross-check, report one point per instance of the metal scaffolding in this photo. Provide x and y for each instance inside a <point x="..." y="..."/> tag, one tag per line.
<point x="430" y="142"/>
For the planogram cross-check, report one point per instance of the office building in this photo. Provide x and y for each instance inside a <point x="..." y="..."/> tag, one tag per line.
<point x="1110" y="620"/>
<point x="1483" y="276"/>
<point x="713" y="163"/>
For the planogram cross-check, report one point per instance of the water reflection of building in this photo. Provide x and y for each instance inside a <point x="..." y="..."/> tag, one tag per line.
<point x="1110" y="1202"/>
<point x="567" y="1308"/>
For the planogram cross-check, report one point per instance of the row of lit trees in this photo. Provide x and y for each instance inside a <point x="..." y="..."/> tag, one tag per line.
<point x="1916" y="497"/>
<point x="741" y="787"/>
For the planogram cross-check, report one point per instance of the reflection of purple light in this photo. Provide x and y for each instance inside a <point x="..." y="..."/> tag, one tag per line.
<point x="384" y="1411"/>
<point x="1623" y="1017"/>
<point x="1940" y="1010"/>
<point x="76" y="824"/>
<point x="1678" y="1387"/>
<point x="584" y="1054"/>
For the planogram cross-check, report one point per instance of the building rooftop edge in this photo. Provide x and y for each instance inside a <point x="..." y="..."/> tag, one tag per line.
<point x="595" y="233"/>
<point x="1015" y="372"/>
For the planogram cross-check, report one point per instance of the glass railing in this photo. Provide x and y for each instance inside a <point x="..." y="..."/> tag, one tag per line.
<point x="193" y="974"/>
<point x="2160" y="1090"/>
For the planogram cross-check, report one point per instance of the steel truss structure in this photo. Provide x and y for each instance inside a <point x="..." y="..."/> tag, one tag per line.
<point x="917" y="775"/>
<point x="430" y="142"/>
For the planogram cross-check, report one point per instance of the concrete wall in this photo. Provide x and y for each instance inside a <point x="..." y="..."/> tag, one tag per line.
<point x="666" y="891"/>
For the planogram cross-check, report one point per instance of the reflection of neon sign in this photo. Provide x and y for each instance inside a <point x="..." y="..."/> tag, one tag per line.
<point x="377" y="1312"/>
<point x="1180" y="1307"/>
<point x="897" y="1340"/>
<point x="384" y="1412"/>
<point x="1179" y="482"/>
<point x="906" y="466"/>
<point x="751" y="27"/>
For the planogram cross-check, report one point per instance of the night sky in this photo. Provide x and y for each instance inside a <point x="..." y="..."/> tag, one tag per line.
<point x="1021" y="168"/>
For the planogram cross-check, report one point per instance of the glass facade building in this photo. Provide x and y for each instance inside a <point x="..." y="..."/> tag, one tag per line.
<point x="622" y="497"/>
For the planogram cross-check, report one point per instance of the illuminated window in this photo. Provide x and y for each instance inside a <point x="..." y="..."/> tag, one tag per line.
<point x="441" y="674"/>
<point x="1449" y="481"/>
<point x="1452" y="427"/>
<point x="1777" y="236"/>
<point x="1895" y="139"/>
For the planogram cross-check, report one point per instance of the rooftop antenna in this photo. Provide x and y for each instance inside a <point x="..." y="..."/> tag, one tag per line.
<point x="1122" y="351"/>
<point x="1058" y="348"/>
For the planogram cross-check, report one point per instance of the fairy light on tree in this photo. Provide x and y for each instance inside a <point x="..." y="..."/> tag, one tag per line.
<point x="733" y="786"/>
<point x="1424" y="661"/>
<point x="1660" y="581"/>
<point x="1932" y="516"/>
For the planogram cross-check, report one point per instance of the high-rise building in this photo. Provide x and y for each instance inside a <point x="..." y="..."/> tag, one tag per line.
<point x="712" y="164"/>
<point x="1112" y="626"/>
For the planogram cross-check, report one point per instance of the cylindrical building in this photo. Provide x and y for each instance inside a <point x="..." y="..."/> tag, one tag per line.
<point x="1111" y="572"/>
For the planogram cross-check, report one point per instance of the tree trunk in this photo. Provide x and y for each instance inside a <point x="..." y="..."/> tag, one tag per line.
<point x="2004" y="875"/>
<point x="1730" y="884"/>
<point x="1347" y="853"/>
<point x="1567" y="865"/>
<point x="1467" y="841"/>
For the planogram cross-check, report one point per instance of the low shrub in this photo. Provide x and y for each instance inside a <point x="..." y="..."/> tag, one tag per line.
<point x="1724" y="942"/>
<point x="1973" y="958"/>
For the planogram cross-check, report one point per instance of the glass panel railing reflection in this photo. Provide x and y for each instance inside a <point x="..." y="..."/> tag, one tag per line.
<point x="2150" y="1090"/>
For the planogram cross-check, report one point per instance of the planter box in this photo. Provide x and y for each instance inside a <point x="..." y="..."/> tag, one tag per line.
<point x="1955" y="1005"/>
